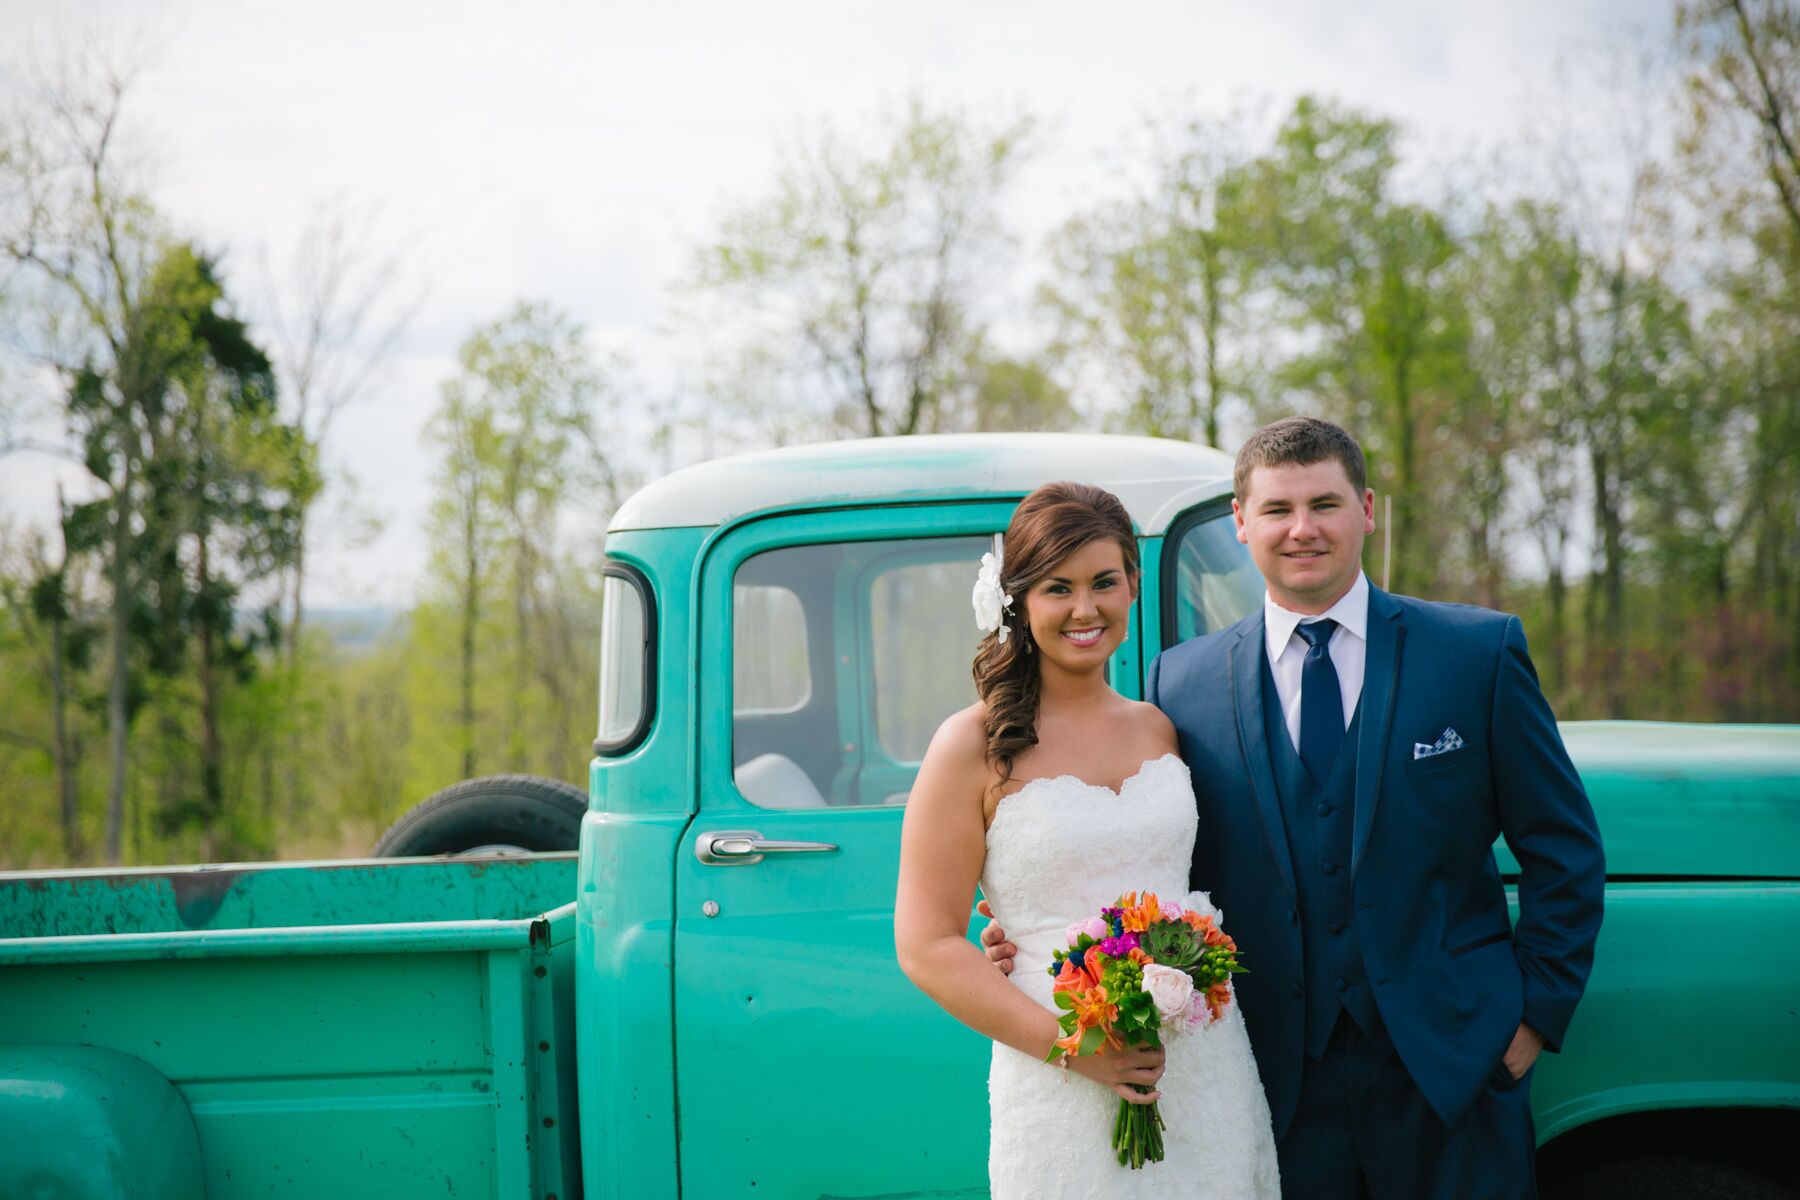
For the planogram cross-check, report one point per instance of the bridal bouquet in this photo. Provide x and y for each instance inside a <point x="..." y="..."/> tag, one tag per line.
<point x="1141" y="971"/>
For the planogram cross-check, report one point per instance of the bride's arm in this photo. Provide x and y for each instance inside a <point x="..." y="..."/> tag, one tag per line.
<point x="943" y="844"/>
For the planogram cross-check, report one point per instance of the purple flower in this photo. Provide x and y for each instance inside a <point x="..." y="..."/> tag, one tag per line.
<point x="1119" y="947"/>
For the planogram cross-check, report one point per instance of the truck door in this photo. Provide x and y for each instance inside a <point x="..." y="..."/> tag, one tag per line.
<point x="831" y="646"/>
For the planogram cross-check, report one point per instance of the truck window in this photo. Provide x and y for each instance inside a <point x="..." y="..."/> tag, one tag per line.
<point x="768" y="629"/>
<point x="923" y="638"/>
<point x="626" y="688"/>
<point x="845" y="658"/>
<point x="1208" y="580"/>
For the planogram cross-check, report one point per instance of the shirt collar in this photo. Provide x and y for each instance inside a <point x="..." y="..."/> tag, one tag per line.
<point x="1351" y="612"/>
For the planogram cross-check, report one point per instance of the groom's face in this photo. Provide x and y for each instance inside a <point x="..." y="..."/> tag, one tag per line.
<point x="1305" y="527"/>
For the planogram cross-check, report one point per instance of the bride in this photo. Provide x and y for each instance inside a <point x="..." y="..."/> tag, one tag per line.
<point x="1058" y="795"/>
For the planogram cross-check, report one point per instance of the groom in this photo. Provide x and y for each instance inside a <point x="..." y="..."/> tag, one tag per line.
<point x="1355" y="754"/>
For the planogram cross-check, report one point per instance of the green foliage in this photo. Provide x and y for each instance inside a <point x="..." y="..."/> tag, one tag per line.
<point x="511" y="601"/>
<point x="1593" y="423"/>
<point x="854" y="285"/>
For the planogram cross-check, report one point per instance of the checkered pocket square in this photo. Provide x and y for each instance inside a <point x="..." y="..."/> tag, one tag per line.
<point x="1449" y="740"/>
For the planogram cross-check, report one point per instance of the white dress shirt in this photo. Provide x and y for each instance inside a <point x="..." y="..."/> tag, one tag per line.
<point x="1349" y="648"/>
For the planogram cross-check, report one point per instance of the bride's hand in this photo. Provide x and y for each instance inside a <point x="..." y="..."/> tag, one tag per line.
<point x="993" y="940"/>
<point x="1119" y="1069"/>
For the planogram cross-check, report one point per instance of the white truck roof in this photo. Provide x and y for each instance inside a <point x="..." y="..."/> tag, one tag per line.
<point x="1156" y="478"/>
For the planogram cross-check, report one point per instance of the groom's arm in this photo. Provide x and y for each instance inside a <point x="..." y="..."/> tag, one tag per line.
<point x="1549" y="825"/>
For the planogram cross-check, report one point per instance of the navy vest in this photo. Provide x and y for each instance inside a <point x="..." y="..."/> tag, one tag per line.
<point x="1319" y="818"/>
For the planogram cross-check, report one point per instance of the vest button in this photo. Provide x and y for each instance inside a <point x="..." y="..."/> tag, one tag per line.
<point x="1338" y="927"/>
<point x="1329" y="867"/>
<point x="1325" y="810"/>
<point x="1340" y="984"/>
<point x="1293" y="917"/>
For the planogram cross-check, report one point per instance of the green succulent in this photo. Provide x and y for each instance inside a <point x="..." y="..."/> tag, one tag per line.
<point x="1171" y="945"/>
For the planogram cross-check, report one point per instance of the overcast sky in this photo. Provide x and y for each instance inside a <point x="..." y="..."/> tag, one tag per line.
<point x="576" y="153"/>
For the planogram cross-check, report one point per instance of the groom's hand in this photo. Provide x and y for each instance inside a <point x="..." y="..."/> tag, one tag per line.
<point x="1527" y="1044"/>
<point x="993" y="940"/>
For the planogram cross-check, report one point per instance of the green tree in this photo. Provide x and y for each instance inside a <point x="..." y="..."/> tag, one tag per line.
<point x="1369" y="283"/>
<point x="1155" y="291"/>
<point x="854" y="288"/>
<point x="520" y="446"/>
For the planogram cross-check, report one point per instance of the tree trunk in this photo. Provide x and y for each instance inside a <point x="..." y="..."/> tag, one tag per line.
<point x="59" y="742"/>
<point x="1214" y="318"/>
<point x="62" y="752"/>
<point x="212" y="779"/>
<point x="520" y="738"/>
<point x="471" y="611"/>
<point x="116" y="715"/>
<point x="1405" y="452"/>
<point x="296" y="619"/>
<point x="1559" y="628"/>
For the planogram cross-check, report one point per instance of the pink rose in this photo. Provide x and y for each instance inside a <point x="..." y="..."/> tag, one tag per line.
<point x="1171" y="990"/>
<point x="1198" y="1015"/>
<point x="1097" y="929"/>
<point x="1171" y="911"/>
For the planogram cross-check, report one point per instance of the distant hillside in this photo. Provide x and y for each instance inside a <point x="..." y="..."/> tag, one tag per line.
<point x="356" y="630"/>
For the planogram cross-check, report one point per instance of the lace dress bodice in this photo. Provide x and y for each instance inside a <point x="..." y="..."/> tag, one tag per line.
<point x="1058" y="851"/>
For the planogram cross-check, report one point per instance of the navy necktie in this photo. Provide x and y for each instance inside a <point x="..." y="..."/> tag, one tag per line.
<point x="1321" y="702"/>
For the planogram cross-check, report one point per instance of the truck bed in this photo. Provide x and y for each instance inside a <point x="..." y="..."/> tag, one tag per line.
<point x="419" y="1011"/>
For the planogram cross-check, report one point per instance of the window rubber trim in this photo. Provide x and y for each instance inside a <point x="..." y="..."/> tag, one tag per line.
<point x="1201" y="513"/>
<point x="613" y="747"/>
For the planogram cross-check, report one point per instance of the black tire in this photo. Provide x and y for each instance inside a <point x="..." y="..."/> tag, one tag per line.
<point x="1668" y="1178"/>
<point x="500" y="814"/>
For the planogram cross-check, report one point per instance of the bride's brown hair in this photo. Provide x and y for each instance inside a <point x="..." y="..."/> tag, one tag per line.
<point x="1049" y="525"/>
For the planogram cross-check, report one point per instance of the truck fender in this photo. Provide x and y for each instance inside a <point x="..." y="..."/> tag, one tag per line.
<point x="80" y="1122"/>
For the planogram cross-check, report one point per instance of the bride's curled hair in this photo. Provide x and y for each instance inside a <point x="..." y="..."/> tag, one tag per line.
<point x="1048" y="526"/>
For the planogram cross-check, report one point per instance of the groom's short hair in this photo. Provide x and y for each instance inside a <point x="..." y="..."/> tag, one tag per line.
<point x="1300" y="442"/>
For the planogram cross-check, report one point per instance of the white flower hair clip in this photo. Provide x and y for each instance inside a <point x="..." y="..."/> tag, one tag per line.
<point x="991" y="604"/>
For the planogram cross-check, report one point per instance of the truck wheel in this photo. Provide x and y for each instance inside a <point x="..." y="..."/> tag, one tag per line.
<point x="1666" y="1178"/>
<point x="497" y="814"/>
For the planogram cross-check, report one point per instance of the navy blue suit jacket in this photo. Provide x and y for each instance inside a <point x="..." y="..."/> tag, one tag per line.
<point x="1450" y="975"/>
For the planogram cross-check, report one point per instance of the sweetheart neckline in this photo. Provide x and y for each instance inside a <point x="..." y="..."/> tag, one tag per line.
<point x="1116" y="793"/>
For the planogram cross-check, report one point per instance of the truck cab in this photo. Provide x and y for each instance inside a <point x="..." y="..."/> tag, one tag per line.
<point x="783" y="634"/>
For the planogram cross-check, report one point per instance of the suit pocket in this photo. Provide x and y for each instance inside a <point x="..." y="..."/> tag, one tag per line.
<point x="1504" y="935"/>
<point x="1434" y="763"/>
<point x="1500" y="1079"/>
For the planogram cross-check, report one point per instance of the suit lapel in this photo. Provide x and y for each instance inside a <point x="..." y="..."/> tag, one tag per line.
<point x="1246" y="686"/>
<point x="1381" y="674"/>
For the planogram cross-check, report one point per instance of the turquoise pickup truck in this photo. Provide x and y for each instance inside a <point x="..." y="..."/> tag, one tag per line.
<point x="704" y="1002"/>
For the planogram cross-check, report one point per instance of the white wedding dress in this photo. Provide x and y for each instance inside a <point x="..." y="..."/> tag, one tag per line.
<point x="1058" y="851"/>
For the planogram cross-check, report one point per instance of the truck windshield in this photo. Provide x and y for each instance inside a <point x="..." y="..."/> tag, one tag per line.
<point x="1209" y="581"/>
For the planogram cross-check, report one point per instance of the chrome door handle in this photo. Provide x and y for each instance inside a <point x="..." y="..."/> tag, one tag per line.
<point x="741" y="847"/>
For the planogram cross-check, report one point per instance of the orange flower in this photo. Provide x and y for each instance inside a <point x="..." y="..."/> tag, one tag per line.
<point x="1092" y="1008"/>
<point x="1136" y="916"/>
<point x="1217" y="997"/>
<point x="1072" y="977"/>
<point x="1140" y="958"/>
<point x="1195" y="920"/>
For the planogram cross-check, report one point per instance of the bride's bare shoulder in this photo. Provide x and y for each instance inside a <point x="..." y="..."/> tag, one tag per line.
<point x="1155" y="725"/>
<point x="961" y="740"/>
